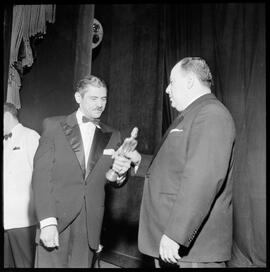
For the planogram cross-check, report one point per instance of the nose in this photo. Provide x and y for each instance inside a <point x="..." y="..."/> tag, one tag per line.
<point x="100" y="103"/>
<point x="168" y="89"/>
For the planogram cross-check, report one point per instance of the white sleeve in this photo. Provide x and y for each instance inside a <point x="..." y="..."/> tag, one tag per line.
<point x="48" y="221"/>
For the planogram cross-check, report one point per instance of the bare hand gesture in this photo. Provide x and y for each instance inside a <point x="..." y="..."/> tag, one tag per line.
<point x="49" y="236"/>
<point x="168" y="250"/>
<point x="134" y="156"/>
<point x="121" y="164"/>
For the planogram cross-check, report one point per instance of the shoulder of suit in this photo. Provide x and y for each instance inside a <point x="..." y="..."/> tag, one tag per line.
<point x="216" y="109"/>
<point x="50" y="123"/>
<point x="54" y="119"/>
<point x="29" y="132"/>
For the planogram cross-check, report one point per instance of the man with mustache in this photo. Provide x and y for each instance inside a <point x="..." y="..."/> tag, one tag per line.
<point x="186" y="210"/>
<point x="69" y="179"/>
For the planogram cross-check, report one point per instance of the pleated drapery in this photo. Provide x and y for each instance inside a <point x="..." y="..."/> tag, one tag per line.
<point x="28" y="20"/>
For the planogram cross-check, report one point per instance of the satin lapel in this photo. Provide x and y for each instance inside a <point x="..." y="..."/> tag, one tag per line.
<point x="174" y="124"/>
<point x="100" y="140"/>
<point x="73" y="135"/>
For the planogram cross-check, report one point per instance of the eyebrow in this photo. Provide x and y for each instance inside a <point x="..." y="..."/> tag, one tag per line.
<point x="94" y="96"/>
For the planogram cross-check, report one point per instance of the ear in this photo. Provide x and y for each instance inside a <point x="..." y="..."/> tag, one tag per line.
<point x="190" y="80"/>
<point x="78" y="97"/>
<point x="8" y="115"/>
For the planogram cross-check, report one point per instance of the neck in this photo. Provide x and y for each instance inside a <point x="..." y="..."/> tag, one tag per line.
<point x="197" y="94"/>
<point x="13" y="124"/>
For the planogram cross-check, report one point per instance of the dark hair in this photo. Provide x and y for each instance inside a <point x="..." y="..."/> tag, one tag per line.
<point x="89" y="80"/>
<point x="9" y="107"/>
<point x="199" y="67"/>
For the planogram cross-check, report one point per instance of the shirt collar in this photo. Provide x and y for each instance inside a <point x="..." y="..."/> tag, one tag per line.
<point x="16" y="128"/>
<point x="79" y="116"/>
<point x="198" y="101"/>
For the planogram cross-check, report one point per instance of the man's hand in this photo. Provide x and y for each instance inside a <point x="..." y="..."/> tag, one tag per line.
<point x="134" y="156"/>
<point x="168" y="250"/>
<point x="49" y="236"/>
<point x="121" y="164"/>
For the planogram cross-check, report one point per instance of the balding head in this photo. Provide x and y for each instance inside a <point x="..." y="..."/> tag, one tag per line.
<point x="190" y="78"/>
<point x="199" y="67"/>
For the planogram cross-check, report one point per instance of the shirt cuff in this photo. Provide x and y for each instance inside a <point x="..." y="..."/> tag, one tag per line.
<point x="48" y="221"/>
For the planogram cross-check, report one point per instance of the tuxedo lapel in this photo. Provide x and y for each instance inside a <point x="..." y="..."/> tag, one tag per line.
<point x="72" y="132"/>
<point x="100" y="140"/>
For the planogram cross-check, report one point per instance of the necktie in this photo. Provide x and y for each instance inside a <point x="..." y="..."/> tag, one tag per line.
<point x="7" y="136"/>
<point x="95" y="121"/>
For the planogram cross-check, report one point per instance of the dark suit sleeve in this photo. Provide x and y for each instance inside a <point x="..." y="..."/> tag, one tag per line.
<point x="43" y="164"/>
<point x="208" y="153"/>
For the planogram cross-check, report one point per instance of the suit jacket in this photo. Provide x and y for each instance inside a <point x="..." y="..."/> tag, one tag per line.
<point x="61" y="181"/>
<point x="18" y="155"/>
<point x="188" y="186"/>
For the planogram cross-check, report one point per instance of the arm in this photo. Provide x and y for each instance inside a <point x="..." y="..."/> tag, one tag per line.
<point x="42" y="186"/>
<point x="32" y="145"/>
<point x="44" y="202"/>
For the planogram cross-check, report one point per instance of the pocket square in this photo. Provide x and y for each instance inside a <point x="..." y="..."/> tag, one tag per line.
<point x="176" y="130"/>
<point x="16" y="148"/>
<point x="109" y="152"/>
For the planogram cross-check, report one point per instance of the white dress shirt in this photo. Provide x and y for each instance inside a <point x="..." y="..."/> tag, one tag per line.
<point x="19" y="151"/>
<point x="87" y="132"/>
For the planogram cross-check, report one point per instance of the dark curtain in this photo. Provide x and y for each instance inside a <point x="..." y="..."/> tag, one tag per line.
<point x="231" y="37"/>
<point x="128" y="59"/>
<point x="84" y="32"/>
<point x="47" y="87"/>
<point x="7" y="28"/>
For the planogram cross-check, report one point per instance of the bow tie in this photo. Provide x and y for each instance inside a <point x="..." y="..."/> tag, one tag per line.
<point x="7" y="136"/>
<point x="95" y="121"/>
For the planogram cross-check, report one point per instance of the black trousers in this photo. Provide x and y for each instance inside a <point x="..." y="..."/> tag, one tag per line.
<point x="73" y="250"/>
<point x="19" y="247"/>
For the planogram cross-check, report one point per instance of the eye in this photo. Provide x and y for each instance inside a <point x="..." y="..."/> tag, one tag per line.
<point x="93" y="98"/>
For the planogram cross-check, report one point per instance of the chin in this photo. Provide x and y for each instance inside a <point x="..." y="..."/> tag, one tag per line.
<point x="96" y="115"/>
<point x="173" y="105"/>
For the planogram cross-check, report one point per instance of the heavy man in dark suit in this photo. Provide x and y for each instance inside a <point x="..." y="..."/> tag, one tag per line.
<point x="186" y="209"/>
<point x="73" y="156"/>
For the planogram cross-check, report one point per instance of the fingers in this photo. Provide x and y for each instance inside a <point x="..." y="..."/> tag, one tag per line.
<point x="176" y="256"/>
<point x="134" y="156"/>
<point x="48" y="243"/>
<point x="121" y="164"/>
<point x="49" y="236"/>
<point x="168" y="255"/>
<point x="162" y="254"/>
<point x="56" y="240"/>
<point x="168" y="250"/>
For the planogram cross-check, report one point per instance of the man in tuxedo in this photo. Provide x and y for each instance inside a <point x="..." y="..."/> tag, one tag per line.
<point x="186" y="209"/>
<point x="74" y="154"/>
